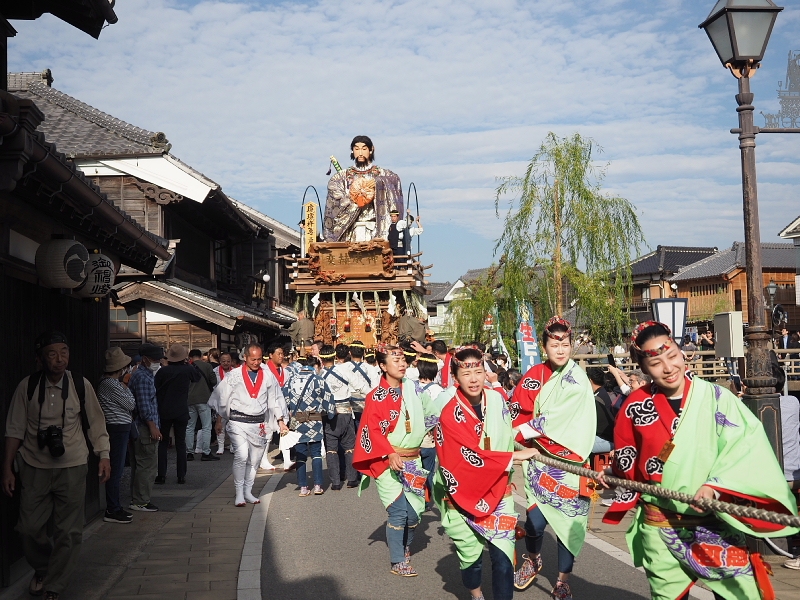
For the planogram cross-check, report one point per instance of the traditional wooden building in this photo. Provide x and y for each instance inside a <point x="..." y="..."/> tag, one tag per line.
<point x="211" y="290"/>
<point x="650" y="275"/>
<point x="718" y="283"/>
<point x="44" y="196"/>
<point x="792" y="232"/>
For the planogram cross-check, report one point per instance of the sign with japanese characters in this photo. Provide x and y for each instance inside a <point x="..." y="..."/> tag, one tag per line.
<point x="527" y="344"/>
<point x="340" y="261"/>
<point x="100" y="274"/>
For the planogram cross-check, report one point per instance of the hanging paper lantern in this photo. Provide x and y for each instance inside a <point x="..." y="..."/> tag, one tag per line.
<point x="100" y="275"/>
<point x="61" y="264"/>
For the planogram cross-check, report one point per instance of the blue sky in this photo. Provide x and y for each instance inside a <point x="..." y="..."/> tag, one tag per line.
<point x="454" y="93"/>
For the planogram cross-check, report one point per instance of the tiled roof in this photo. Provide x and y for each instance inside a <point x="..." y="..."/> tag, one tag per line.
<point x="438" y="291"/>
<point x="80" y="130"/>
<point x="482" y="274"/>
<point x="792" y="230"/>
<point x="669" y="259"/>
<point x="773" y="256"/>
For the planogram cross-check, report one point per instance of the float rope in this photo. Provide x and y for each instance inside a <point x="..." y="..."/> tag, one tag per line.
<point x="735" y="510"/>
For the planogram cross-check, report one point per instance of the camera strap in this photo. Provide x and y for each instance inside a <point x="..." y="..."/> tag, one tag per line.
<point x="64" y="395"/>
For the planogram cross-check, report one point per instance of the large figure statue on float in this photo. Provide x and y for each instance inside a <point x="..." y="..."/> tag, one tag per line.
<point x="361" y="198"/>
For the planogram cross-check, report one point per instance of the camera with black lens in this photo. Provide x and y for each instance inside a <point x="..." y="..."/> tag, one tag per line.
<point x="53" y="439"/>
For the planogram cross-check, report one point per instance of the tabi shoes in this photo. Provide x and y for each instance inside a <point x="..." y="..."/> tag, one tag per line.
<point x="403" y="569"/>
<point x="36" y="586"/>
<point x="561" y="591"/>
<point x="527" y="573"/>
<point x="248" y="493"/>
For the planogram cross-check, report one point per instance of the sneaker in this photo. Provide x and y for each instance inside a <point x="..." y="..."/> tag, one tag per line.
<point x="793" y="563"/>
<point x="304" y="491"/>
<point x="119" y="516"/>
<point x="189" y="456"/>
<point x="318" y="491"/>
<point x="404" y="569"/>
<point x="209" y="456"/>
<point x="160" y="480"/>
<point x="527" y="573"/>
<point x="36" y="586"/>
<point x="561" y="591"/>
<point x="149" y="507"/>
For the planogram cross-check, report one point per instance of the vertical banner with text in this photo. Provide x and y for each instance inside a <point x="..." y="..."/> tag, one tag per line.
<point x="310" y="217"/>
<point x="527" y="344"/>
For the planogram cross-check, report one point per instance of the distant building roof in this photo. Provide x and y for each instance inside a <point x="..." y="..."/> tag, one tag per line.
<point x="668" y="259"/>
<point x="792" y="230"/>
<point x="284" y="235"/>
<point x="80" y="130"/>
<point x="482" y="274"/>
<point x="438" y="291"/>
<point x="773" y="256"/>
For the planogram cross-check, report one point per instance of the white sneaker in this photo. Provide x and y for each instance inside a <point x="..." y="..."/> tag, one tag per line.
<point x="793" y="563"/>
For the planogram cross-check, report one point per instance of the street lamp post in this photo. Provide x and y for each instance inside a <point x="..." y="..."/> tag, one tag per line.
<point x="739" y="33"/>
<point x="772" y="288"/>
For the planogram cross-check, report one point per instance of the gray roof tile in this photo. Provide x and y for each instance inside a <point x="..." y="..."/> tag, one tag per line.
<point x="773" y="256"/>
<point x="438" y="291"/>
<point x="79" y="129"/>
<point x="669" y="259"/>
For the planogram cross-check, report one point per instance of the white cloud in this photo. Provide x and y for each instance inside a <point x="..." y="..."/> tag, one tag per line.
<point x="454" y="94"/>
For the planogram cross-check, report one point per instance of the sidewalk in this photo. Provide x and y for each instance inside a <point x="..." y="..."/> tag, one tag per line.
<point x="190" y="549"/>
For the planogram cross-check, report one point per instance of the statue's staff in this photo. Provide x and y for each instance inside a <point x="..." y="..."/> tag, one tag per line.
<point x="735" y="510"/>
<point x="413" y="186"/>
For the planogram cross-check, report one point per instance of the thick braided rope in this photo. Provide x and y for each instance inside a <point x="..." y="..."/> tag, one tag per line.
<point x="662" y="492"/>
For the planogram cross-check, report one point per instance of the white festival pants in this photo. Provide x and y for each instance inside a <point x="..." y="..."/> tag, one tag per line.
<point x="248" y="449"/>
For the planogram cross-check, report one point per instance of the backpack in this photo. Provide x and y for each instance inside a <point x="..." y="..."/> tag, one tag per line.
<point x="80" y="387"/>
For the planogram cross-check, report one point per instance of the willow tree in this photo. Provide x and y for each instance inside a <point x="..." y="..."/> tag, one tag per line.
<point x="562" y="232"/>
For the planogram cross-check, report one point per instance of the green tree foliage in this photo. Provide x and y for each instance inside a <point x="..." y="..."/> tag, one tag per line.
<point x="562" y="232"/>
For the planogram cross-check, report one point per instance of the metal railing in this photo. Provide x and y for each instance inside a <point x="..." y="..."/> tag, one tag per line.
<point x="704" y="363"/>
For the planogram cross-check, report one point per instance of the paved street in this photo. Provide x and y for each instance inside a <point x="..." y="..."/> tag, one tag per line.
<point x="333" y="546"/>
<point x="201" y="547"/>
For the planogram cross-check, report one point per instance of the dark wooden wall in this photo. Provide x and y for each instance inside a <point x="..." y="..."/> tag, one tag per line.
<point x="26" y="310"/>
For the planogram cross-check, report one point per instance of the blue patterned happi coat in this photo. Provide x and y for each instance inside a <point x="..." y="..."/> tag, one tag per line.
<point x="306" y="392"/>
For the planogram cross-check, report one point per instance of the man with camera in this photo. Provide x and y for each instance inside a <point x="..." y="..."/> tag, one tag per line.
<point x="46" y="423"/>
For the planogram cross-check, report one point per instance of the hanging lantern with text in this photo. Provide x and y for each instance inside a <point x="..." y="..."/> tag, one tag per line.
<point x="61" y="264"/>
<point x="100" y="275"/>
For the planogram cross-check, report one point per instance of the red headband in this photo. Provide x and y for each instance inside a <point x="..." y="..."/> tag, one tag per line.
<point x="558" y="321"/>
<point x="637" y="331"/>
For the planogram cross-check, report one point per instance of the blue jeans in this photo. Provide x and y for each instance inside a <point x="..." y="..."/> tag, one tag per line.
<point x="204" y="436"/>
<point x="400" y="524"/>
<point x="118" y="436"/>
<point x="601" y="446"/>
<point x="428" y="456"/>
<point x="534" y="537"/>
<point x="301" y="452"/>
<point x="502" y="574"/>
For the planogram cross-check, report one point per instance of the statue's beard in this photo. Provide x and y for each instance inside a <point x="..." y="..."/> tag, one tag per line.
<point x="362" y="163"/>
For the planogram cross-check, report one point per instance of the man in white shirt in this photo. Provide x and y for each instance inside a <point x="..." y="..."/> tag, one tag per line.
<point x="251" y="400"/>
<point x="360" y="379"/>
<point x="340" y="433"/>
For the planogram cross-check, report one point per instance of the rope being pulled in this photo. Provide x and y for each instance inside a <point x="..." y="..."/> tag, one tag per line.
<point x="736" y="510"/>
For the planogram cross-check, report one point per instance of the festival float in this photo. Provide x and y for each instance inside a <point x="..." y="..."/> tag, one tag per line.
<point x="347" y="277"/>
